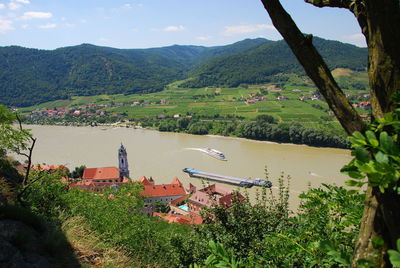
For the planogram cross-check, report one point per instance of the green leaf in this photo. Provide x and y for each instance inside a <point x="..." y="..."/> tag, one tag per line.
<point x="361" y="154"/>
<point x="357" y="142"/>
<point x="368" y="168"/>
<point x="386" y="141"/>
<point x="326" y="246"/>
<point x="377" y="242"/>
<point x="358" y="135"/>
<point x="372" y="138"/>
<point x="382" y="158"/>
<point x="394" y="257"/>
<point x="352" y="183"/>
<point x="398" y="244"/>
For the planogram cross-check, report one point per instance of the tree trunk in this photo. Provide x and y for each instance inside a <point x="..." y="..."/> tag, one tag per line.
<point x="369" y="229"/>
<point x="379" y="21"/>
<point x="314" y="66"/>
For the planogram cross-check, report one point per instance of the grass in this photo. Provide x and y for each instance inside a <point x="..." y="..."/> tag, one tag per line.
<point x="90" y="250"/>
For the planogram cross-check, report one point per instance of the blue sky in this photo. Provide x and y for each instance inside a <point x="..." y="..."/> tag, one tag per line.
<point x="49" y="24"/>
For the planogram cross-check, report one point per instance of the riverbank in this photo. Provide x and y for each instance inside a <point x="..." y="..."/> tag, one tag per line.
<point x="343" y="145"/>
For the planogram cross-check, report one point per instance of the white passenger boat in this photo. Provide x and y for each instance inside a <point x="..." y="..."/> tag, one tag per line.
<point x="214" y="153"/>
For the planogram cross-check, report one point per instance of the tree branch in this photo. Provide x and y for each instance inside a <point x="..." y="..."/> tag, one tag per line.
<point x="19" y="196"/>
<point x="29" y="156"/>
<point x="314" y="66"/>
<point x="330" y="3"/>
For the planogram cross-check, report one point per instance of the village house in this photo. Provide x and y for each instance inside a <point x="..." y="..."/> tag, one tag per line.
<point x="366" y="105"/>
<point x="273" y="88"/>
<point x="314" y="97"/>
<point x="250" y="101"/>
<point x="164" y="193"/>
<point x="212" y="195"/>
<point x="96" y="179"/>
<point x="303" y="98"/>
<point x="281" y="98"/>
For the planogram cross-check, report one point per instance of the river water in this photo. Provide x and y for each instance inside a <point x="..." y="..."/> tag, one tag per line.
<point x="164" y="155"/>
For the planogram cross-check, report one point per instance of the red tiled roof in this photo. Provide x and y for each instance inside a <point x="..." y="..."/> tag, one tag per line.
<point x="227" y="200"/>
<point x="102" y="173"/>
<point x="182" y="219"/>
<point x="163" y="190"/>
<point x="216" y="189"/>
<point x="176" y="181"/>
<point x="47" y="167"/>
<point x="224" y="196"/>
<point x="179" y="200"/>
<point x="144" y="181"/>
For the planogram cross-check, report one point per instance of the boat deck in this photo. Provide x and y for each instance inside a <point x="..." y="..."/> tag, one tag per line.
<point x="244" y="182"/>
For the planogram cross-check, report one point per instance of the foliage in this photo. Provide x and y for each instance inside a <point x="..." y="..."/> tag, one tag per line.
<point x="376" y="154"/>
<point x="220" y="258"/>
<point x="291" y="133"/>
<point x="262" y="63"/>
<point x="88" y="70"/>
<point x="77" y="172"/>
<point x="394" y="255"/>
<point x="321" y="234"/>
<point x="11" y="139"/>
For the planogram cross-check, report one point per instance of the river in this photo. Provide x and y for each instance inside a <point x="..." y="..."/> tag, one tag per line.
<point x="164" y="155"/>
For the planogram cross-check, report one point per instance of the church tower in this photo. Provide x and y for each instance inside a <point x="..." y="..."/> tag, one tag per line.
<point x="123" y="162"/>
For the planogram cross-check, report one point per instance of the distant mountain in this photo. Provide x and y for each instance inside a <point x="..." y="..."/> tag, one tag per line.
<point x="259" y="64"/>
<point x="32" y="76"/>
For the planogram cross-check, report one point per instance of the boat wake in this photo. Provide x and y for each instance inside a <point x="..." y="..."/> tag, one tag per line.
<point x="211" y="152"/>
<point x="314" y="174"/>
<point x="194" y="149"/>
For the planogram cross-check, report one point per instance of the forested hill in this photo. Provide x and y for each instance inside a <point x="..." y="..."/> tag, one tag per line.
<point x="32" y="76"/>
<point x="261" y="63"/>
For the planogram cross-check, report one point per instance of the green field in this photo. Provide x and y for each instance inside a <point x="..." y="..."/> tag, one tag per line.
<point x="208" y="102"/>
<point x="220" y="102"/>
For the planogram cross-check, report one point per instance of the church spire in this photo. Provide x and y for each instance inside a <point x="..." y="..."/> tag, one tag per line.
<point x="123" y="162"/>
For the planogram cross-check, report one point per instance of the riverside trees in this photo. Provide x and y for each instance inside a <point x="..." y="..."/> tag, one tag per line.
<point x="379" y="22"/>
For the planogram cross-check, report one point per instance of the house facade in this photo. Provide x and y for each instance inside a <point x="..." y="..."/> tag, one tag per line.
<point x="96" y="179"/>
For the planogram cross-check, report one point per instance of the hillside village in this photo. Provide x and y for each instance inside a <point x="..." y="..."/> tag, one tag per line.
<point x="179" y="204"/>
<point x="114" y="111"/>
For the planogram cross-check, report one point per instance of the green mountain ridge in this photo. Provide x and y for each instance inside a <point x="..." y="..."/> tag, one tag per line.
<point x="259" y="64"/>
<point x="33" y="76"/>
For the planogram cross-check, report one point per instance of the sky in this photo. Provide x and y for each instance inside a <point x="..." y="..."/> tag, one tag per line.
<point x="50" y="24"/>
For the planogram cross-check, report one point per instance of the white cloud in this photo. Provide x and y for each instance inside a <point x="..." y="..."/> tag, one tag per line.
<point x="2" y="6"/>
<point x="23" y="1"/>
<point x="24" y="26"/>
<point x="36" y="15"/>
<point x="357" y="36"/>
<point x="69" y="25"/>
<point x="174" y="28"/>
<point x="127" y="6"/>
<point x="5" y="25"/>
<point x="83" y="20"/>
<point x="48" y="26"/>
<point x="13" y="6"/>
<point x="248" y="28"/>
<point x="203" y="38"/>
<point x="104" y="39"/>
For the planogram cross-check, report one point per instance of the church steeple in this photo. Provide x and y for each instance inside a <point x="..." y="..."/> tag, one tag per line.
<point x="123" y="162"/>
